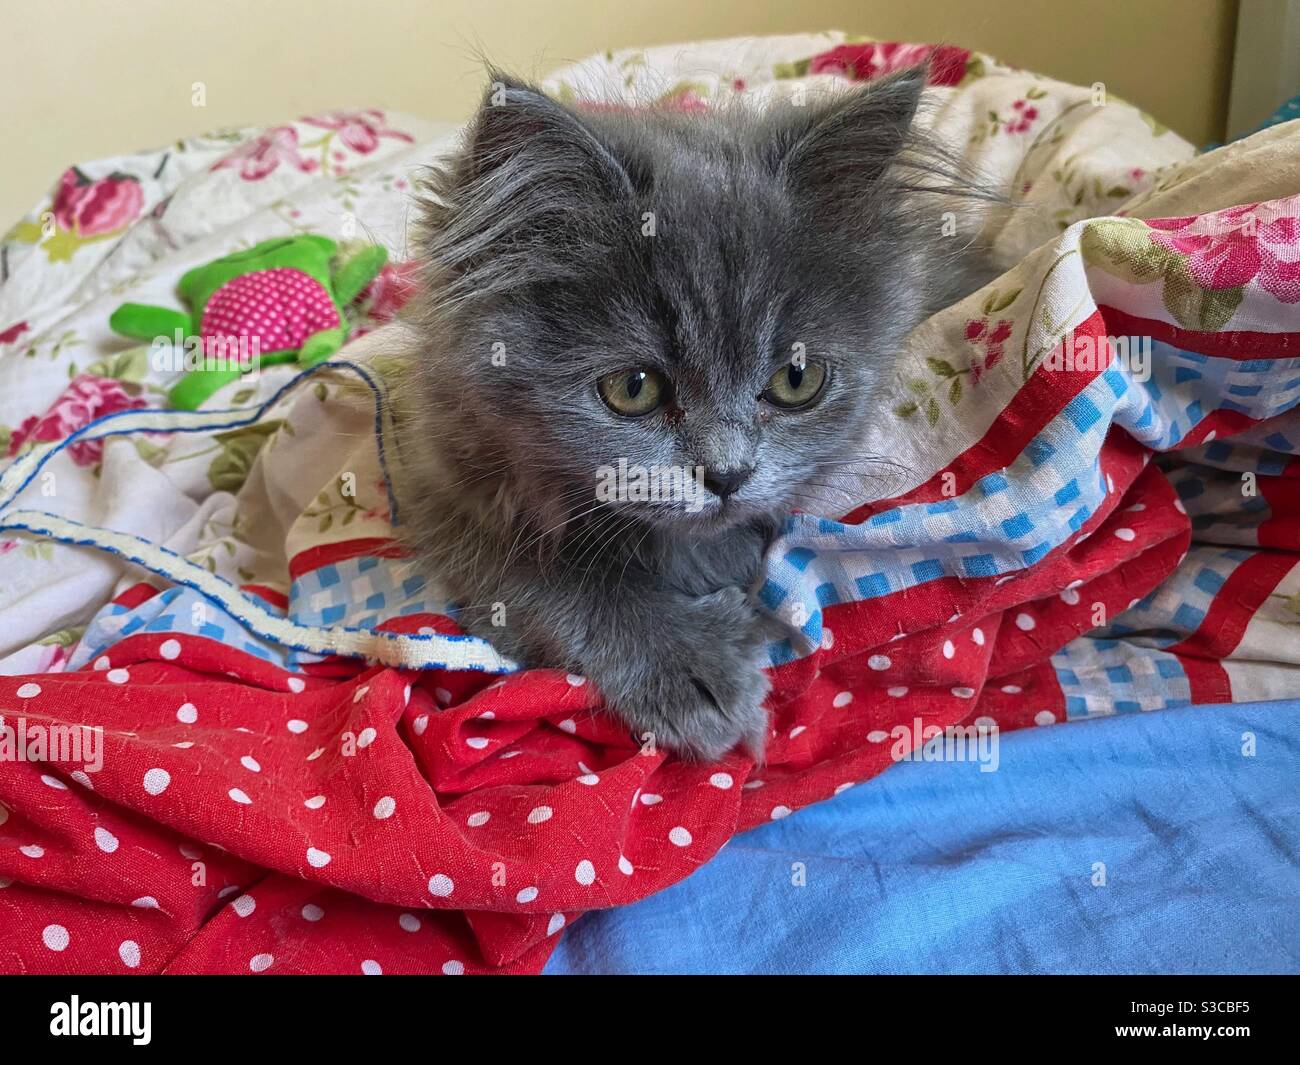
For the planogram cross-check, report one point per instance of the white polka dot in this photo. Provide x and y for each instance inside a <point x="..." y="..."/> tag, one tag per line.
<point x="420" y="724"/>
<point x="880" y="662"/>
<point x="129" y="951"/>
<point x="978" y="636"/>
<point x="1110" y="483"/>
<point x="366" y="738"/>
<point x="1136" y="508"/>
<point x="680" y="837"/>
<point x="779" y="812"/>
<point x="384" y="808"/>
<point x="1012" y="689"/>
<point x="184" y="746"/>
<point x="28" y="691"/>
<point x="317" y="859"/>
<point x="1044" y="717"/>
<point x="1178" y="506"/>
<point x="590" y="779"/>
<point x="442" y="695"/>
<point x="949" y="650"/>
<point x="798" y="730"/>
<point x="53" y="782"/>
<point x="170" y="649"/>
<point x="651" y="799"/>
<point x="296" y="684"/>
<point x="244" y="905"/>
<point x="259" y="963"/>
<point x="312" y="912"/>
<point x="488" y="715"/>
<point x="527" y="894"/>
<point x="840" y="789"/>
<point x="584" y="873"/>
<point x="371" y="967"/>
<point x="453" y="968"/>
<point x="360" y="693"/>
<point x="441" y="885"/>
<point x="1209" y="436"/>
<point x="117" y="676"/>
<point x="963" y="693"/>
<point x="187" y="714"/>
<point x="877" y="736"/>
<point x="721" y="780"/>
<point x="406" y="696"/>
<point x="55" y="936"/>
<point x="105" y="840"/>
<point x="568" y="725"/>
<point x="841" y="700"/>
<point x="1069" y="597"/>
<point x="1025" y="622"/>
<point x="828" y="639"/>
<point x="102" y="662"/>
<point x="145" y="902"/>
<point x="1126" y="534"/>
<point x="409" y="922"/>
<point x="897" y="693"/>
<point x="296" y="725"/>
<point x="477" y="742"/>
<point x="315" y="802"/>
<point x="478" y="819"/>
<point x="32" y="850"/>
<point x="555" y="924"/>
<point x="80" y="778"/>
<point x="750" y="785"/>
<point x="624" y="866"/>
<point x="156" y="781"/>
<point x="538" y="814"/>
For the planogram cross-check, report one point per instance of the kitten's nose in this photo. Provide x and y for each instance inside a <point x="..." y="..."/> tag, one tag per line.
<point x="723" y="483"/>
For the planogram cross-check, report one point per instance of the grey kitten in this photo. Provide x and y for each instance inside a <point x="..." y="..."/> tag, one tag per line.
<point x="718" y="296"/>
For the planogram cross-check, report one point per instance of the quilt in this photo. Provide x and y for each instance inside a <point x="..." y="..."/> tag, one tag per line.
<point x="242" y="734"/>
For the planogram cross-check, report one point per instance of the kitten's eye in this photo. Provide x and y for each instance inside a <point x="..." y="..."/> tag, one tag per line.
<point x="795" y="386"/>
<point x="633" y="393"/>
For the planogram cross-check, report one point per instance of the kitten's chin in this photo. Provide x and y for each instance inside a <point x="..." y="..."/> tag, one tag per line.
<point x="708" y="519"/>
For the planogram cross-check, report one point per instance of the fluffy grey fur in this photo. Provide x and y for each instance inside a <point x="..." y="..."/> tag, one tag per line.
<point x="816" y="226"/>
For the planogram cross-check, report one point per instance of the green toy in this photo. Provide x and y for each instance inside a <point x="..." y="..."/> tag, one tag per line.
<point x="279" y="301"/>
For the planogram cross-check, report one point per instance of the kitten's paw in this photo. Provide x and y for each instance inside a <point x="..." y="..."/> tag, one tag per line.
<point x="698" y="690"/>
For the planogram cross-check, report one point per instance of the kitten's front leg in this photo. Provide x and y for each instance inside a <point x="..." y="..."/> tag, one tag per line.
<point x="688" y="670"/>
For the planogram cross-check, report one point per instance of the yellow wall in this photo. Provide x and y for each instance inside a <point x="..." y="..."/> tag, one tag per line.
<point x="86" y="78"/>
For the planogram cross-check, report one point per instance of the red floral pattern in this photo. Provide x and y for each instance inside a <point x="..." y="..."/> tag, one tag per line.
<point x="358" y="130"/>
<point x="86" y="398"/>
<point x="11" y="335"/>
<point x="991" y="341"/>
<point x="93" y="208"/>
<point x="264" y="154"/>
<point x="863" y="62"/>
<point x="1227" y="249"/>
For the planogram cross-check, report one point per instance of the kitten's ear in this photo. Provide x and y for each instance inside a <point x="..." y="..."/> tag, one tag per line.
<point x="837" y="153"/>
<point x="521" y="137"/>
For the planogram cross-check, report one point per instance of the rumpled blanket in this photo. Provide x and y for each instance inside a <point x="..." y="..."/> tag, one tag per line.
<point x="244" y="735"/>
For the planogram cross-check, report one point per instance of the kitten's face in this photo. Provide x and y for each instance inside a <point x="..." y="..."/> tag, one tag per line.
<point x="691" y="316"/>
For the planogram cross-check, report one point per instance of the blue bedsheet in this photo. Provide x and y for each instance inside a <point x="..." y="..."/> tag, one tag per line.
<point x="939" y="868"/>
